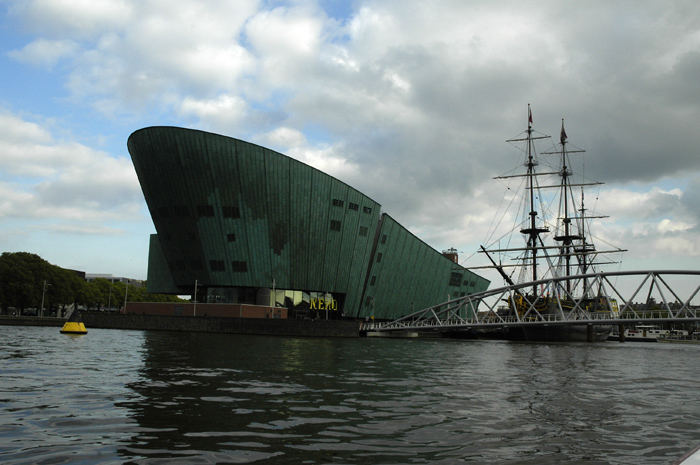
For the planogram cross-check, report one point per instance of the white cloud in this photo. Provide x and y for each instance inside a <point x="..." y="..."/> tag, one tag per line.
<point x="14" y="130"/>
<point x="409" y="102"/>
<point x="125" y="55"/>
<point x="625" y="203"/>
<point x="62" y="180"/>
<point x="43" y="52"/>
<point x="84" y="229"/>
<point x="80" y="18"/>
<point x="680" y="246"/>
<point x="670" y="226"/>
<point x="284" y="34"/>
<point x="284" y="137"/>
<point x="224" y="112"/>
<point x="326" y="158"/>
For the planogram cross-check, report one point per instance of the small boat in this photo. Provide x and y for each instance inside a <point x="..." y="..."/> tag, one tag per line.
<point x="691" y="458"/>
<point x="646" y="333"/>
<point x="652" y="333"/>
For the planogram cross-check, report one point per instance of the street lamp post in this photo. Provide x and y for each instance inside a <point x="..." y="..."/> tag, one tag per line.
<point x="194" y="310"/>
<point x="43" y="292"/>
<point x="126" y="294"/>
<point x="109" y="299"/>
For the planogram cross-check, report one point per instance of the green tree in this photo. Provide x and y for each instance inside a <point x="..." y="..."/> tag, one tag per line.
<point x="22" y="277"/>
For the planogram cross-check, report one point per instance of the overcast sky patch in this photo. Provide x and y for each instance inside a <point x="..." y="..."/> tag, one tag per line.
<point x="410" y="102"/>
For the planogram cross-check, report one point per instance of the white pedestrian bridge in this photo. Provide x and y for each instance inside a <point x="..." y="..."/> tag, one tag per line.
<point x="610" y="298"/>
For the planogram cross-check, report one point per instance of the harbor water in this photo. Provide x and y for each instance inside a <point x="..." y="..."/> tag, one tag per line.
<point x="164" y="397"/>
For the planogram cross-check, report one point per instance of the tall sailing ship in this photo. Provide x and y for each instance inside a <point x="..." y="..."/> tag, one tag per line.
<point x="555" y="226"/>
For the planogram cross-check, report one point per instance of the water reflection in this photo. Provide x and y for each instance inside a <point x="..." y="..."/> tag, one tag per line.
<point x="152" y="397"/>
<point x="240" y="399"/>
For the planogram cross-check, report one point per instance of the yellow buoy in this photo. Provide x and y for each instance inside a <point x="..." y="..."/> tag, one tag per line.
<point x="73" y="327"/>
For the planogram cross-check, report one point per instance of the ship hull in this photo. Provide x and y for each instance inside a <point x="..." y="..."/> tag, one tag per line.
<point x="559" y="333"/>
<point x="567" y="333"/>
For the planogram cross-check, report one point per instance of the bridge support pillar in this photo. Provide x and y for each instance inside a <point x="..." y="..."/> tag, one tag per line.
<point x="621" y="332"/>
<point x="589" y="333"/>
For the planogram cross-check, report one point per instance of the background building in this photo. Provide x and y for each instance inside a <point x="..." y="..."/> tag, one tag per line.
<point x="114" y="279"/>
<point x="245" y="224"/>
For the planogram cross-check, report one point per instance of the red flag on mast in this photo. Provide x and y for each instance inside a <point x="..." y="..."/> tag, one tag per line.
<point x="529" y="114"/>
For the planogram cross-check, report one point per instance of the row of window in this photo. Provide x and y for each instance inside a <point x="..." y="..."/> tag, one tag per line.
<point x="336" y="225"/>
<point x="231" y="211"/>
<point x="231" y="237"/>
<point x="214" y="265"/>
<point x="203" y="211"/>
<point x="351" y="206"/>
<point x="242" y="267"/>
<point x="456" y="280"/>
<point x="173" y="210"/>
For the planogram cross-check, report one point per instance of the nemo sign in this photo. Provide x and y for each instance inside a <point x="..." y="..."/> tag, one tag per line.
<point x="323" y="304"/>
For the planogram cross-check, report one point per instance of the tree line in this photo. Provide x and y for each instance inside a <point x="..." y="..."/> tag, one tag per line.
<point x="26" y="279"/>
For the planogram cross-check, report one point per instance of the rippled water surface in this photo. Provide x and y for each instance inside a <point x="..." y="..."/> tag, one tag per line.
<point x="157" y="397"/>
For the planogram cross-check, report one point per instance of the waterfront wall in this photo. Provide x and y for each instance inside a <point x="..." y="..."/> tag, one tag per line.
<point x="31" y="321"/>
<point x="261" y="326"/>
<point x="208" y="310"/>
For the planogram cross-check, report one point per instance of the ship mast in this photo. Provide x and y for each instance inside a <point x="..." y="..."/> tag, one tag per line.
<point x="570" y="240"/>
<point x="533" y="232"/>
<point x="567" y="238"/>
<point x="583" y="261"/>
<point x="573" y="239"/>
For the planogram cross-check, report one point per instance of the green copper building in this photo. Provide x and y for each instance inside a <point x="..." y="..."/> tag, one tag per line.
<point x="246" y="224"/>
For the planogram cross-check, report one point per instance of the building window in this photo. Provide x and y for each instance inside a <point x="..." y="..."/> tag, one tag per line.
<point x="455" y="279"/>
<point x="367" y="209"/>
<point x="335" y="225"/>
<point x="363" y="230"/>
<point x="373" y="280"/>
<point x="231" y="211"/>
<point x="231" y="237"/>
<point x="216" y="265"/>
<point x="379" y="257"/>
<point x="205" y="210"/>
<point x="239" y="267"/>
<point x="338" y="203"/>
<point x="353" y="206"/>
<point x="383" y="238"/>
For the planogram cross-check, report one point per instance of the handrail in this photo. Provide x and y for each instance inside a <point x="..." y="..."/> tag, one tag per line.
<point x="464" y="312"/>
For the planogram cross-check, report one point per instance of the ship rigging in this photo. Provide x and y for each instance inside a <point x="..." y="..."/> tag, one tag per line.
<point x="557" y="247"/>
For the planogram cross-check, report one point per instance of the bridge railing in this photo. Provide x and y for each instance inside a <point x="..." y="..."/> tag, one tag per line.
<point x="614" y="296"/>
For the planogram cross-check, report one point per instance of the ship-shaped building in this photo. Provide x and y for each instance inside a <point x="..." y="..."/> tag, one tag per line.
<point x="238" y="223"/>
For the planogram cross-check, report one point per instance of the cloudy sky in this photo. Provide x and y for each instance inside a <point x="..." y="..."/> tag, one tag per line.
<point x="410" y="102"/>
